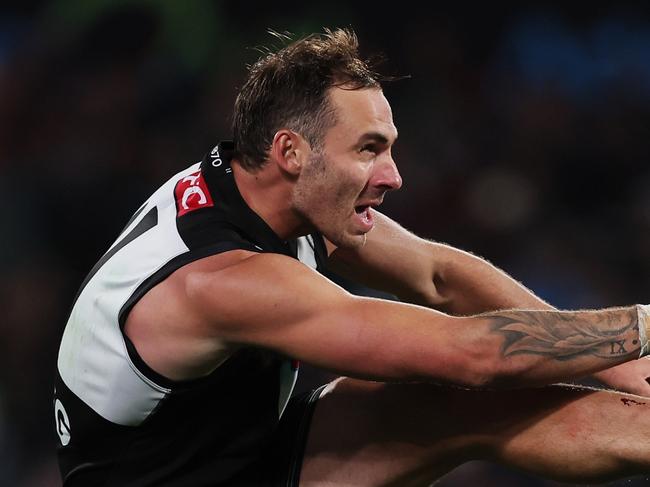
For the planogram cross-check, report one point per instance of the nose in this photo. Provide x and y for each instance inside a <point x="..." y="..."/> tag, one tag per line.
<point x="387" y="175"/>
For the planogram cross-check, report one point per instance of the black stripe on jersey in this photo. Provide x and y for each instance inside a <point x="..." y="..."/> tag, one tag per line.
<point x="320" y="252"/>
<point x="149" y="221"/>
<point x="135" y="215"/>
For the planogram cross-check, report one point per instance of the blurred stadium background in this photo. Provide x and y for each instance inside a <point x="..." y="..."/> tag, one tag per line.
<point x="524" y="137"/>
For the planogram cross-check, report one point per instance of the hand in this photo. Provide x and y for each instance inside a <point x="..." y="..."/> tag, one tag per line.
<point x="631" y="377"/>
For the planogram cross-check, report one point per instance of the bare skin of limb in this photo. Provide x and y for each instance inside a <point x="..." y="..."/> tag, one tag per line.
<point x="448" y="279"/>
<point x="242" y="304"/>
<point x="382" y="434"/>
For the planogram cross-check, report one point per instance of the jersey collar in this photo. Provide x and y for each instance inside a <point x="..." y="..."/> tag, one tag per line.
<point x="219" y="177"/>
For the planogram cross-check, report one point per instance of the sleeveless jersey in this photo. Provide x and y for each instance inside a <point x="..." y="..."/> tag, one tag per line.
<point x="118" y="422"/>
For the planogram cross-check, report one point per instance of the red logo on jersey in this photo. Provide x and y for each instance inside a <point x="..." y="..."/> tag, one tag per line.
<point x="192" y="193"/>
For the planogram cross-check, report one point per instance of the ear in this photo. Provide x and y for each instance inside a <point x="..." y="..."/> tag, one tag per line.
<point x="289" y="149"/>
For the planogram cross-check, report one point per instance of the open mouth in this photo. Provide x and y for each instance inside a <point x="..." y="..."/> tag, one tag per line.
<point x="363" y="212"/>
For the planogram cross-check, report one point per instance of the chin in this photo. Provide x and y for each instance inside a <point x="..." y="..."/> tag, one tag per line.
<point x="348" y="240"/>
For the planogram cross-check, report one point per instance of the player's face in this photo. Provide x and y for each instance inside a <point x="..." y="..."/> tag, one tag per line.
<point x="353" y="171"/>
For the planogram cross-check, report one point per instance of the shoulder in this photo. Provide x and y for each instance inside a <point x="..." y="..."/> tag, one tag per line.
<point x="212" y="287"/>
<point x="177" y="327"/>
<point x="241" y="274"/>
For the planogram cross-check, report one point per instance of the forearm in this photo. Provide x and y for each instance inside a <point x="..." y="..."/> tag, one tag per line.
<point x="507" y="349"/>
<point x="383" y="340"/>
<point x="466" y="284"/>
<point x="539" y="347"/>
<point x="429" y="273"/>
<point x="494" y="289"/>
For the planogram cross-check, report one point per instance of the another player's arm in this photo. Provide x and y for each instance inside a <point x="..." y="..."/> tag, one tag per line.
<point x="429" y="273"/>
<point x="275" y="302"/>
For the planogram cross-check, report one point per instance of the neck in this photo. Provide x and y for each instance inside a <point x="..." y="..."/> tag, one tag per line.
<point x="268" y="193"/>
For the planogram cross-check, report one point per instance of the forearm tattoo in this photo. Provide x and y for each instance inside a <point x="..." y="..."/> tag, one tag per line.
<point x="610" y="334"/>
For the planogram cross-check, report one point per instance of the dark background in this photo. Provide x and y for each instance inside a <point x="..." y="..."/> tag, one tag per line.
<point x="524" y="137"/>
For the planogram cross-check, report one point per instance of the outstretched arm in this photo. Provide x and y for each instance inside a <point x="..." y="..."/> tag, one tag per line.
<point x="449" y="279"/>
<point x="275" y="302"/>
<point x="430" y="274"/>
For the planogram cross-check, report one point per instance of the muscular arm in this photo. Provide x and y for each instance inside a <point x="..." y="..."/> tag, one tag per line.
<point x="448" y="279"/>
<point x="275" y="302"/>
<point x="429" y="273"/>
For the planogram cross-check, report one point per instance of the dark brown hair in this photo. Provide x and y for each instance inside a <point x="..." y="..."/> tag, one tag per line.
<point x="288" y="89"/>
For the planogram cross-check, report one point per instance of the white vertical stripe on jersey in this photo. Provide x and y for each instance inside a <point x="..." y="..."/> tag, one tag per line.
<point x="289" y="376"/>
<point x="306" y="253"/>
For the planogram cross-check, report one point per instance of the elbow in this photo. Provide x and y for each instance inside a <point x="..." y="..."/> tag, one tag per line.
<point x="477" y="369"/>
<point x="482" y="376"/>
<point x="474" y="358"/>
<point x="503" y="373"/>
<point x="488" y="377"/>
<point x="484" y="367"/>
<point x="430" y="292"/>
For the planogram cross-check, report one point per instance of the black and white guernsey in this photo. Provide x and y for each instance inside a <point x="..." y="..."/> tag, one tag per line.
<point x="118" y="422"/>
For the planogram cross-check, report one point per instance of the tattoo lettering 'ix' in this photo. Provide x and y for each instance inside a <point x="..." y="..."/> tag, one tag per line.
<point x="566" y="335"/>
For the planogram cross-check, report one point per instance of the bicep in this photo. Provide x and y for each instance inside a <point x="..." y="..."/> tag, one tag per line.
<point x="278" y="303"/>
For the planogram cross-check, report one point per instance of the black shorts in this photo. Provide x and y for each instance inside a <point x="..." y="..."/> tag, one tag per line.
<point x="280" y="464"/>
<point x="291" y="439"/>
<point x="284" y="462"/>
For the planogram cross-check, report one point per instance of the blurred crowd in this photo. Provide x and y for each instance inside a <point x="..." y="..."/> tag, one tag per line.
<point x="524" y="137"/>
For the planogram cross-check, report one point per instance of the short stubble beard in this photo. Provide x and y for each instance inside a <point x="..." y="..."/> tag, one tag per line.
<point x="315" y="185"/>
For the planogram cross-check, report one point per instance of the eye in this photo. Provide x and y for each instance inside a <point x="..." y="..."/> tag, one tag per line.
<point x="369" y="148"/>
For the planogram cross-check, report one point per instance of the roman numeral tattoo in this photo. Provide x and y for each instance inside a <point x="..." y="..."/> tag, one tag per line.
<point x="565" y="335"/>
